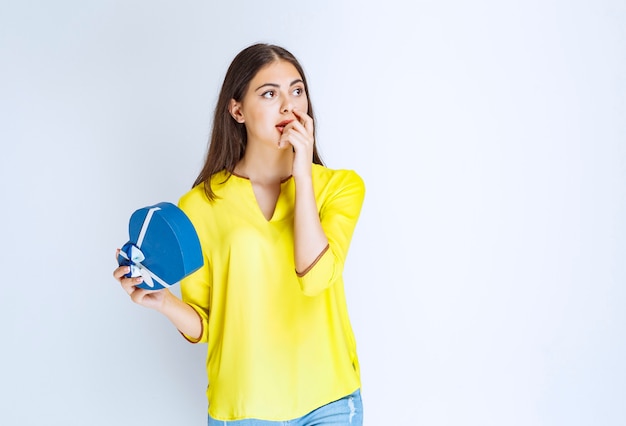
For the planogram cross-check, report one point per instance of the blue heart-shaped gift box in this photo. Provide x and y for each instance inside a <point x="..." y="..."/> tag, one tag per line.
<point x="163" y="247"/>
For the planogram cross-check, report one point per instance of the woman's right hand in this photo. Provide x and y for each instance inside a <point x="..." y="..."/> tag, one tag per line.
<point x="148" y="298"/>
<point x="182" y="315"/>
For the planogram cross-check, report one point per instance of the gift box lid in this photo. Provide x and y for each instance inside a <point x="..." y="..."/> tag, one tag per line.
<point x="163" y="247"/>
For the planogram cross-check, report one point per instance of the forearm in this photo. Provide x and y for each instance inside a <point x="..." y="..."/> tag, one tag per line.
<point x="183" y="316"/>
<point x="309" y="236"/>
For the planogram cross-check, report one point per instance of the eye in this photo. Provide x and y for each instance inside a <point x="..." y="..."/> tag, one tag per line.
<point x="298" y="91"/>
<point x="268" y="94"/>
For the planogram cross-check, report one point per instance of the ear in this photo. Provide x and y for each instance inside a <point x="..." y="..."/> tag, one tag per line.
<point x="235" y="110"/>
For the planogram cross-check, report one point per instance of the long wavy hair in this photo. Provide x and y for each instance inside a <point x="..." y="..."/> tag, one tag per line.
<point x="229" y="139"/>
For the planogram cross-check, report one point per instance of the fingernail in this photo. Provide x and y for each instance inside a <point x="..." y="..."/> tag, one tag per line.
<point x="138" y="279"/>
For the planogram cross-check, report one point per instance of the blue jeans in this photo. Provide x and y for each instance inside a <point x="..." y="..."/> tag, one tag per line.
<point x="347" y="411"/>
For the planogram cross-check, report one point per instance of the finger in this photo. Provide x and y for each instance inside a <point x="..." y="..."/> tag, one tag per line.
<point x="289" y="132"/>
<point x="302" y="116"/>
<point x="119" y="272"/>
<point x="141" y="295"/>
<point x="304" y="119"/>
<point x="137" y="294"/>
<point x="130" y="284"/>
<point x="287" y="138"/>
<point x="294" y="137"/>
<point x="297" y="139"/>
<point x="296" y="127"/>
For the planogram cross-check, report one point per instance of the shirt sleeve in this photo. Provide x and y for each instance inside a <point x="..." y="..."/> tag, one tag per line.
<point x="339" y="207"/>
<point x="196" y="287"/>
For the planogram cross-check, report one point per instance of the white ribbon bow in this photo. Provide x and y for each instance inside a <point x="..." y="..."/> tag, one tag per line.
<point x="136" y="256"/>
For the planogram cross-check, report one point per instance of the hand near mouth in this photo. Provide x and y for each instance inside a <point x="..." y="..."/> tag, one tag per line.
<point x="299" y="134"/>
<point x="281" y="126"/>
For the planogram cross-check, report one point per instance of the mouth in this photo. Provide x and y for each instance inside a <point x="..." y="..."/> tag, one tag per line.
<point x="281" y="126"/>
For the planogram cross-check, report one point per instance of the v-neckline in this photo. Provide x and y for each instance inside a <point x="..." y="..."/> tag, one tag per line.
<point x="273" y="215"/>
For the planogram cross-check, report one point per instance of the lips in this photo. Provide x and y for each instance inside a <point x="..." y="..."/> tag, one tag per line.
<point x="281" y="126"/>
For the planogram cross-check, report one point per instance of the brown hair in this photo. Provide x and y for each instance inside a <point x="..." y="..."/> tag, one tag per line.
<point x="228" y="138"/>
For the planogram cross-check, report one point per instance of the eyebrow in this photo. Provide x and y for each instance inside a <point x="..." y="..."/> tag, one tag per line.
<point x="296" y="81"/>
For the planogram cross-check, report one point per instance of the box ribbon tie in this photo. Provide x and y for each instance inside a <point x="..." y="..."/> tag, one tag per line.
<point x="133" y="253"/>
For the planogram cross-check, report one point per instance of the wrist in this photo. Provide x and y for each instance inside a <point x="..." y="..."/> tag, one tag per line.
<point x="303" y="179"/>
<point x="167" y="302"/>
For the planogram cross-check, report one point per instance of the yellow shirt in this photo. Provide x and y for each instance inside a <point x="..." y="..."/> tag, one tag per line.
<point x="279" y="345"/>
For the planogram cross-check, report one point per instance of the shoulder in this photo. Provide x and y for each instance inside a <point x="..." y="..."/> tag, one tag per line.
<point x="196" y="198"/>
<point x="193" y="199"/>
<point x="337" y="178"/>
<point x="325" y="174"/>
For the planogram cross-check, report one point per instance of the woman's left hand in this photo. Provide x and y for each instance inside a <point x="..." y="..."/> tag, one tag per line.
<point x="299" y="134"/>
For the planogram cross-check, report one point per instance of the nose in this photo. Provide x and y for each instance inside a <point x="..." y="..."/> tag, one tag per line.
<point x="287" y="106"/>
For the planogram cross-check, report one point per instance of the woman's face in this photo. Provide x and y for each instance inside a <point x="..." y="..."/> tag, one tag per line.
<point x="268" y="104"/>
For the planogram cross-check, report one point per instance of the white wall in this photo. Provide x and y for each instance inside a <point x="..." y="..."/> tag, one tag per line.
<point x="486" y="278"/>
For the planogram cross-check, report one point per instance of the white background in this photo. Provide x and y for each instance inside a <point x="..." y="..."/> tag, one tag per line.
<point x="486" y="279"/>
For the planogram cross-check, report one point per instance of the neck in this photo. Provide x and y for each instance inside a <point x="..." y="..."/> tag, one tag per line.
<point x="266" y="165"/>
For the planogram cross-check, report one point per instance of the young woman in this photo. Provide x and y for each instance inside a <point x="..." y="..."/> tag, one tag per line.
<point x="275" y="226"/>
